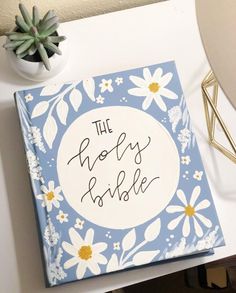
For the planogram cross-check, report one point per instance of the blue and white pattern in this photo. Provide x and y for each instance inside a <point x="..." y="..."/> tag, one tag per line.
<point x="75" y="247"/>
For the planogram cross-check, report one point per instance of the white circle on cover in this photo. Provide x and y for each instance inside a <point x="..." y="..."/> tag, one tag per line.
<point x="133" y="179"/>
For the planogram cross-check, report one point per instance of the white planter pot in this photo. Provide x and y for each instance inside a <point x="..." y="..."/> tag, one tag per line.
<point x="35" y="70"/>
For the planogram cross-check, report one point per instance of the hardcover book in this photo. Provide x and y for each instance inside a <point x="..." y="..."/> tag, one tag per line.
<point x="116" y="173"/>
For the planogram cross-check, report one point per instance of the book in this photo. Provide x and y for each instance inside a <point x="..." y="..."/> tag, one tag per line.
<point x="116" y="173"/>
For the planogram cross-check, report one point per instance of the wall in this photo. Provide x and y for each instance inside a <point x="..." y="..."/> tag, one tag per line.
<point x="65" y="9"/>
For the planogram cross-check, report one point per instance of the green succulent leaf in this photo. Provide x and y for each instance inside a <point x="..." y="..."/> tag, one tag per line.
<point x="32" y="50"/>
<point x="22" y="24"/>
<point x="48" y="15"/>
<point x="22" y="55"/>
<point x="50" y="30"/>
<point x="9" y="33"/>
<point x="44" y="56"/>
<point x="26" y="45"/>
<point x="56" y="39"/>
<point x="36" y="18"/>
<point x="25" y="14"/>
<point x="33" y="34"/>
<point x="19" y="36"/>
<point x="52" y="47"/>
<point x="12" y="45"/>
<point x="48" y="23"/>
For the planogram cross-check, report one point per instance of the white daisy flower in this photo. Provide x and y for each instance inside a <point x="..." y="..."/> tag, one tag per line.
<point x="153" y="87"/>
<point x="100" y="100"/>
<point x="116" y="245"/>
<point x="79" y="224"/>
<point x="62" y="217"/>
<point x="85" y="253"/>
<point x="198" y="175"/>
<point x="51" y="196"/>
<point x="106" y="85"/>
<point x="119" y="80"/>
<point x="185" y="160"/>
<point x="190" y="211"/>
<point x="28" y="98"/>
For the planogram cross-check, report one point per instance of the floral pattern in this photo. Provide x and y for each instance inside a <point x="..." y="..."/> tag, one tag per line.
<point x="85" y="254"/>
<point x="133" y="253"/>
<point x="100" y="100"/>
<point x="175" y="115"/>
<point x="119" y="80"/>
<point x="74" y="248"/>
<point x="190" y="210"/>
<point x="50" y="234"/>
<point x="116" y="245"/>
<point x="62" y="217"/>
<point x="79" y="224"/>
<point x="198" y="175"/>
<point x="106" y="85"/>
<point x="35" y="137"/>
<point x="54" y="269"/>
<point x="184" y="138"/>
<point x="28" y="98"/>
<point x="51" y="196"/>
<point x="34" y="167"/>
<point x="153" y="88"/>
<point x="185" y="160"/>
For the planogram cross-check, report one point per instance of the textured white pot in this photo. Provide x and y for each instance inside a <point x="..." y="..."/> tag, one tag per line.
<point x="35" y="70"/>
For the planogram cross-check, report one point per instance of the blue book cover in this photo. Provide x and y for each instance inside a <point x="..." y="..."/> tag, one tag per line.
<point x="116" y="173"/>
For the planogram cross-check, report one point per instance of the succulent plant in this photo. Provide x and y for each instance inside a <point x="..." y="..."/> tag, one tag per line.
<point x="34" y="35"/>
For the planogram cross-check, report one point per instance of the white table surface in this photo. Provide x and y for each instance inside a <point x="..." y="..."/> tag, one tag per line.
<point x="217" y="23"/>
<point x="103" y="44"/>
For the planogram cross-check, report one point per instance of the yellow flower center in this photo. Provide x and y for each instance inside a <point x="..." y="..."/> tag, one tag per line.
<point x="106" y="84"/>
<point x="189" y="211"/>
<point x="154" y="87"/>
<point x="62" y="216"/>
<point x="50" y="195"/>
<point x="85" y="252"/>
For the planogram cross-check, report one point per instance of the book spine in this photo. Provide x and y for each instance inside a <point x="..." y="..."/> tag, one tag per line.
<point x="41" y="215"/>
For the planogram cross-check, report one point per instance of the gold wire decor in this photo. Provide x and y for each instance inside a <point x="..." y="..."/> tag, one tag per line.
<point x="210" y="102"/>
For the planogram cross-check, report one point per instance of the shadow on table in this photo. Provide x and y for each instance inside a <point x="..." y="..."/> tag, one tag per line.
<point x="24" y="227"/>
<point x="8" y="75"/>
<point x="216" y="166"/>
<point x="19" y="196"/>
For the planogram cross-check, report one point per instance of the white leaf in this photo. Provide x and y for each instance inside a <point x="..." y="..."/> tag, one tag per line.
<point x="75" y="99"/>
<point x="144" y="257"/>
<point x="40" y="109"/>
<point x="50" y="131"/>
<point x="62" y="111"/>
<point x="89" y="87"/>
<point x="50" y="90"/>
<point x="129" y="240"/>
<point x="112" y="264"/>
<point x="185" y="115"/>
<point x="153" y="230"/>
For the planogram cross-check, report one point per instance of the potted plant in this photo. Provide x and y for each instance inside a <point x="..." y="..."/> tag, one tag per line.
<point x="35" y="48"/>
